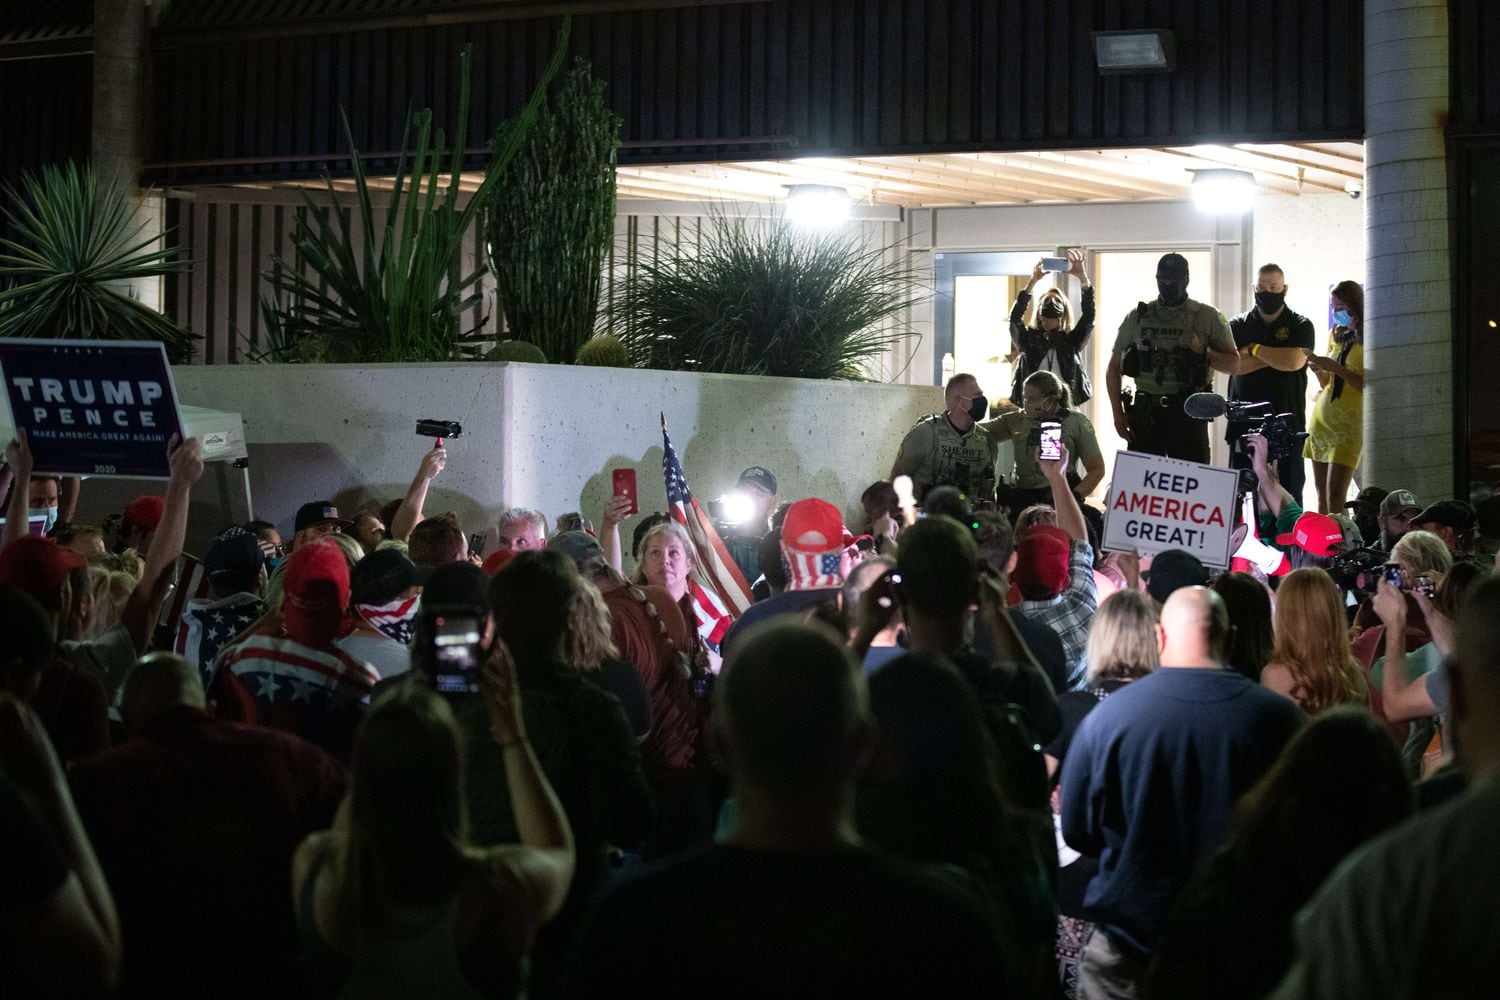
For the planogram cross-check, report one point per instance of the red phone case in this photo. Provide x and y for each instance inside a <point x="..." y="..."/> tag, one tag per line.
<point x="624" y="486"/>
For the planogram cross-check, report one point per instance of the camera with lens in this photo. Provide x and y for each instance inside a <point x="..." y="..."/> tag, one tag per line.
<point x="1359" y="571"/>
<point x="1281" y="441"/>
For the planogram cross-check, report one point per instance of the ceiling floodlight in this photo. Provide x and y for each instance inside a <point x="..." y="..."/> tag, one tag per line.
<point x="1149" y="50"/>
<point x="817" y="205"/>
<point x="1223" y="192"/>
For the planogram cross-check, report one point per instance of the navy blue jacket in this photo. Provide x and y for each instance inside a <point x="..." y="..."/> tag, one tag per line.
<point x="1151" y="780"/>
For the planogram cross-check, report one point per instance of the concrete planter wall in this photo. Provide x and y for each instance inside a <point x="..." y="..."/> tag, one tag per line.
<point x="544" y="436"/>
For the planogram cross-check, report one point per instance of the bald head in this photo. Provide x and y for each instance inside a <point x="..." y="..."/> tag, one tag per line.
<point x="1194" y="628"/>
<point x="159" y="683"/>
<point x="792" y="709"/>
<point x="1474" y="673"/>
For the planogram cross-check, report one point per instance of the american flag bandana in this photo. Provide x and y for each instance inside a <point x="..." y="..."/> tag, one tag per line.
<point x="716" y="587"/>
<point x="206" y="629"/>
<point x="395" y="618"/>
<point x="811" y="570"/>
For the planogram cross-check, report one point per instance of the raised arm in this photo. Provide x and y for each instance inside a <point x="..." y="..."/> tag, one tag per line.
<point x="409" y="514"/>
<point x="1400" y="700"/>
<point x="186" y="461"/>
<point x="18" y="461"/>
<point x="539" y="815"/>
<point x="1069" y="514"/>
<point x="68" y="489"/>
<point x="1271" y="491"/>
<point x="616" y="510"/>
<point x="71" y="940"/>
<point x="1084" y="328"/>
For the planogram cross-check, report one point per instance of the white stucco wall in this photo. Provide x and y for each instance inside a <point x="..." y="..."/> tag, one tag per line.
<point x="544" y="436"/>
<point x="1319" y="240"/>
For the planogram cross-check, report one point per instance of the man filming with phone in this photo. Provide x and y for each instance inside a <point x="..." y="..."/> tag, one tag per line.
<point x="1043" y="424"/>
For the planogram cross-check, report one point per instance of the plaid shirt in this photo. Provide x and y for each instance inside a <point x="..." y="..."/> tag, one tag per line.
<point x="1070" y="613"/>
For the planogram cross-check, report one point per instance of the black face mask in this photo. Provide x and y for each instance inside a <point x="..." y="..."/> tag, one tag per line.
<point x="979" y="408"/>
<point x="1051" y="309"/>
<point x="1173" y="291"/>
<point x="1269" y="302"/>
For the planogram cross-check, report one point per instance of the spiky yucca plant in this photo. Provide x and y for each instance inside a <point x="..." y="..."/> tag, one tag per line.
<point x="761" y="297"/>
<point x="402" y="298"/>
<point x="72" y="250"/>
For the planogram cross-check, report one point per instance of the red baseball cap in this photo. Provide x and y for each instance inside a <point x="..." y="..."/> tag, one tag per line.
<point x="38" y="566"/>
<point x="1314" y="533"/>
<point x="145" y="511"/>
<point x="496" y="560"/>
<point x="316" y="592"/>
<point x="814" y="525"/>
<point x="1042" y="562"/>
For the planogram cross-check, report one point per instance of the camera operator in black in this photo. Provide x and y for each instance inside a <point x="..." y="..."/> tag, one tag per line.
<point x="1168" y="345"/>
<point x="743" y="540"/>
<point x="1273" y="342"/>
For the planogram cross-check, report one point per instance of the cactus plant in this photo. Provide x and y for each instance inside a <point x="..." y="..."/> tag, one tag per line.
<point x="604" y="351"/>
<point x="549" y="235"/>
<point x="517" y="350"/>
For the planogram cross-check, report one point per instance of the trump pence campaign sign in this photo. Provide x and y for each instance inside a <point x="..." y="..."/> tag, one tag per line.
<point x="92" y="408"/>
<point x="1158" y="503"/>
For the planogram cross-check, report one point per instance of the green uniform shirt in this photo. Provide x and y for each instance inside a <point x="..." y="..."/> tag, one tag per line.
<point x="934" y="454"/>
<point x="1161" y="335"/>
<point x="1077" y="436"/>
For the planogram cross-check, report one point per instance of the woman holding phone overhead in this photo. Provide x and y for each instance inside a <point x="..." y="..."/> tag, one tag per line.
<point x="1055" y="344"/>
<point x="1045" y="418"/>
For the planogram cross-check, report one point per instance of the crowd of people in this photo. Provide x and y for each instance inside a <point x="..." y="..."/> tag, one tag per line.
<point x="956" y="751"/>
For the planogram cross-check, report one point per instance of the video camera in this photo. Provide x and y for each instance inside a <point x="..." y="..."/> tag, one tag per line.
<point x="1359" y="571"/>
<point x="1282" y="441"/>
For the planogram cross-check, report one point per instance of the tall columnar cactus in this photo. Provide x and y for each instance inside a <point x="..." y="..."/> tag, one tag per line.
<point x="548" y="235"/>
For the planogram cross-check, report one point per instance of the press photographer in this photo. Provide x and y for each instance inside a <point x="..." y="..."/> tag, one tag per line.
<point x="743" y="516"/>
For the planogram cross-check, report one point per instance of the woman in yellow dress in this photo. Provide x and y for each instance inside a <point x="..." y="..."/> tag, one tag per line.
<point x="1336" y="432"/>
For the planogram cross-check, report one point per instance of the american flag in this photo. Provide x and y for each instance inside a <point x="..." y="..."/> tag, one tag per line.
<point x="717" y="588"/>
<point x="318" y="694"/>
<point x="394" y="618"/>
<point x="206" y="627"/>
<point x="809" y="570"/>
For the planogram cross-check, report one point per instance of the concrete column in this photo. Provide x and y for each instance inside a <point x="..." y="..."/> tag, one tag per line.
<point x="122" y="37"/>
<point x="1408" y="327"/>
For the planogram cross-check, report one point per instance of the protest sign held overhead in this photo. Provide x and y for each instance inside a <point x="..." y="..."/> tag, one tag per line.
<point x="92" y="408"/>
<point x="1159" y="503"/>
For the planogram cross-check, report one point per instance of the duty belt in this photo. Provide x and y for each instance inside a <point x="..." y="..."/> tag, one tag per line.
<point x="1147" y="399"/>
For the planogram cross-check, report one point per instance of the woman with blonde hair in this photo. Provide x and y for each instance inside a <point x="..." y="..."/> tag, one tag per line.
<point x="1055" y="343"/>
<point x="1046" y="398"/>
<point x="1312" y="663"/>
<point x="592" y="650"/>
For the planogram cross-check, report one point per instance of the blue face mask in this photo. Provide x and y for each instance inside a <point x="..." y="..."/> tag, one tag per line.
<point x="51" y="513"/>
<point x="1342" y="317"/>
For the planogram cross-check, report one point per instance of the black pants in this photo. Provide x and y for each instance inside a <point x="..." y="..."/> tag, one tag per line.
<point x="1159" y="427"/>
<point x="1292" y="470"/>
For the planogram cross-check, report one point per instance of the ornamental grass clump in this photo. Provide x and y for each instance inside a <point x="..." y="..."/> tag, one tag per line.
<point x="762" y="297"/>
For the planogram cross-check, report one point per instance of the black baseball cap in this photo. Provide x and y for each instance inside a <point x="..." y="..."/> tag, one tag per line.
<point x="1171" y="571"/>
<point x="1369" y="497"/>
<point x="236" y="552"/>
<point x="319" y="512"/>
<point x="457" y="585"/>
<point x="1453" y="513"/>
<point x="381" y="576"/>
<point x="758" y="475"/>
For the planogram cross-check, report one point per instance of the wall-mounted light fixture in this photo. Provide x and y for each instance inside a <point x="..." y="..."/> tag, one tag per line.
<point x="1146" y="50"/>
<point x="1223" y="192"/>
<point x="817" y="205"/>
